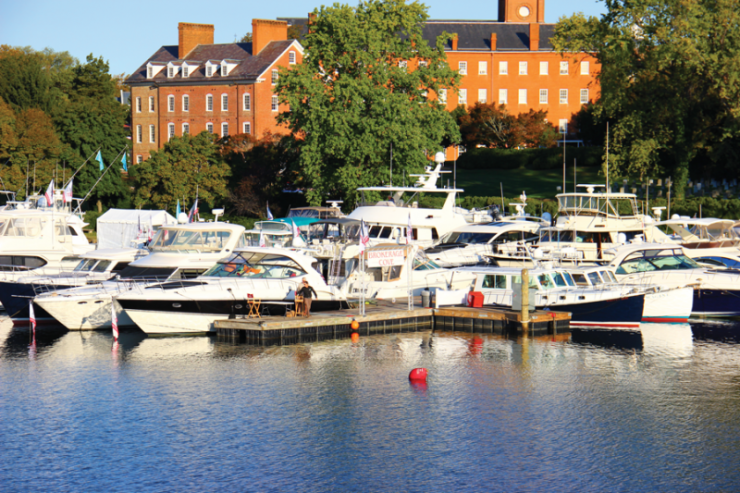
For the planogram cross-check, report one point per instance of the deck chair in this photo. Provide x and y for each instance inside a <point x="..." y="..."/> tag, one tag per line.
<point x="298" y="306"/>
<point x="254" y="306"/>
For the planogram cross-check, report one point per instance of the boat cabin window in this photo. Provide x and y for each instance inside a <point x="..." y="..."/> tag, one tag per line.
<point x="568" y="279"/>
<point x="119" y="267"/>
<point x="271" y="240"/>
<point x="532" y="281"/>
<point x="132" y="272"/>
<point x="491" y="281"/>
<point x="20" y="262"/>
<point x="595" y="278"/>
<point x="580" y="279"/>
<point x="24" y="226"/>
<point x="102" y="266"/>
<point x="557" y="236"/>
<point x="558" y="280"/>
<point x="174" y="240"/>
<point x="608" y="276"/>
<point x="720" y="262"/>
<point x="424" y="263"/>
<point x="467" y="237"/>
<point x="85" y="265"/>
<point x="435" y="235"/>
<point x="650" y="260"/>
<point x="545" y="281"/>
<point x="257" y="266"/>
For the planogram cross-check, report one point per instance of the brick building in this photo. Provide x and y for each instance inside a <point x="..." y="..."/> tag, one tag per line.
<point x="198" y="85"/>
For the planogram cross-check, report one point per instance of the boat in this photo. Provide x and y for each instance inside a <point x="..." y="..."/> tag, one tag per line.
<point x="276" y="234"/>
<point x="267" y="277"/>
<point x="704" y="237"/>
<point x="178" y="252"/>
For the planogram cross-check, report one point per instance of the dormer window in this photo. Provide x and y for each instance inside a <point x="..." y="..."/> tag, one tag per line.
<point x="227" y="66"/>
<point x="184" y="70"/>
<point x="153" y="68"/>
<point x="209" y="70"/>
<point x="149" y="73"/>
<point x="171" y="72"/>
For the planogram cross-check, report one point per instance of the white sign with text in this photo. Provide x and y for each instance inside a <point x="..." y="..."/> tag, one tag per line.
<point x="385" y="258"/>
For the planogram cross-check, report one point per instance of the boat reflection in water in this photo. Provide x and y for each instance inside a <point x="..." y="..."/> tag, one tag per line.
<point x="670" y="340"/>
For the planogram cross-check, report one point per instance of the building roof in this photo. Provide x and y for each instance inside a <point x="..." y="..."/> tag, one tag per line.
<point x="249" y="66"/>
<point x="476" y="35"/>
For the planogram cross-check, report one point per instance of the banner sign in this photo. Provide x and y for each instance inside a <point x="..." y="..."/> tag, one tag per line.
<point x="385" y="258"/>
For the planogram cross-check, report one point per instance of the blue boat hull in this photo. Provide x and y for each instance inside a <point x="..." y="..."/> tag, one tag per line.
<point x="716" y="303"/>
<point x="620" y="312"/>
<point x="15" y="296"/>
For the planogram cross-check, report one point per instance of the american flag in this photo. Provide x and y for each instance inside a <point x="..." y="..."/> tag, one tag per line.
<point x="364" y="236"/>
<point x="409" y="232"/>
<point x="50" y="194"/>
<point x="114" y="320"/>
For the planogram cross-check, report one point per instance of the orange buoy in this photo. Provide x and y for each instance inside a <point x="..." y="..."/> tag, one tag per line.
<point x="355" y="325"/>
<point x="355" y="337"/>
<point x="418" y="375"/>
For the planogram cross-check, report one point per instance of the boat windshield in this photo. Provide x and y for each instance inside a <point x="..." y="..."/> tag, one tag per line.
<point x="85" y="265"/>
<point x="271" y="240"/>
<point x="182" y="240"/>
<point x="652" y="260"/>
<point x="557" y="236"/>
<point x="257" y="266"/>
<point x="468" y="237"/>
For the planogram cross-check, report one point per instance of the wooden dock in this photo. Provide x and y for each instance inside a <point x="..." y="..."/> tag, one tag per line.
<point x="385" y="318"/>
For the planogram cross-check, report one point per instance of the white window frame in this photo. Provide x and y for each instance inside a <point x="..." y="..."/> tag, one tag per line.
<point x="564" y="68"/>
<point x="139" y="134"/>
<point x="443" y="96"/>
<point x="209" y="102"/>
<point x="585" y="68"/>
<point x="404" y="64"/>
<point x="523" y="67"/>
<point x="584" y="96"/>
<point x="224" y="129"/>
<point x="563" y="126"/>
<point x="185" y="71"/>
<point x="543" y="96"/>
<point x="170" y="72"/>
<point x="152" y="134"/>
<point x="170" y="131"/>
<point x="247" y="101"/>
<point x="247" y="128"/>
<point x="503" y="96"/>
<point x="186" y="128"/>
<point x="209" y="127"/>
<point x="149" y="73"/>
<point x="462" y="96"/>
<point x="138" y="105"/>
<point x="482" y="68"/>
<point x="291" y="58"/>
<point x="209" y="70"/>
<point x="274" y="76"/>
<point x="170" y="103"/>
<point x="503" y="68"/>
<point x="482" y="96"/>
<point x="224" y="102"/>
<point x="152" y="106"/>
<point x="275" y="103"/>
<point x="563" y="96"/>
<point x="522" y="96"/>
<point x="423" y="64"/>
<point x="185" y="102"/>
<point x="139" y="159"/>
<point x="462" y="68"/>
<point x="544" y="68"/>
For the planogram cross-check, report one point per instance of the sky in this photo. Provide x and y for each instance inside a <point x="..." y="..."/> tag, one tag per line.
<point x="126" y="34"/>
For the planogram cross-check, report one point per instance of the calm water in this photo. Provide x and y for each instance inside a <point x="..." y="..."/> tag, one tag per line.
<point x="650" y="410"/>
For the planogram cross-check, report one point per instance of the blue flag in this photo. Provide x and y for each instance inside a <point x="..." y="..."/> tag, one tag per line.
<point x="177" y="211"/>
<point x="99" y="158"/>
<point x="123" y="161"/>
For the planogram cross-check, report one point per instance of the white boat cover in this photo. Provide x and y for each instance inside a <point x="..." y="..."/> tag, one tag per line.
<point x="119" y="228"/>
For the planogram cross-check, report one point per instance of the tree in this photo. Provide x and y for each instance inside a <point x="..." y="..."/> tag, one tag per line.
<point x="358" y="92"/>
<point x="533" y="130"/>
<point x="187" y="166"/>
<point x="669" y="72"/>
<point x="487" y="124"/>
<point x="247" y="38"/>
<point x="24" y="82"/>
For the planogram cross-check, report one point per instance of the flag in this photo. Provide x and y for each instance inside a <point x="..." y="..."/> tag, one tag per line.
<point x="409" y="232"/>
<point x="113" y="319"/>
<point x="68" y="192"/>
<point x="269" y="214"/>
<point x="294" y="229"/>
<point x="123" y="162"/>
<point x="141" y="230"/>
<point x="262" y="239"/>
<point x="50" y="194"/>
<point x="364" y="236"/>
<point x="99" y="158"/>
<point x="193" y="212"/>
<point x="31" y="316"/>
<point x="177" y="211"/>
<point x="150" y="235"/>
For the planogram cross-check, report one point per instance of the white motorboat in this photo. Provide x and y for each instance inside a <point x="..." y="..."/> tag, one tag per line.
<point x="704" y="237"/>
<point x="260" y="279"/>
<point x="178" y="252"/>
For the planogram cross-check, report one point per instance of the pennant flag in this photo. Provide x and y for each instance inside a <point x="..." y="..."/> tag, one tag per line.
<point x="123" y="162"/>
<point x="99" y="158"/>
<point x="294" y="229"/>
<point x="50" y="194"/>
<point x="31" y="316"/>
<point x="193" y="212"/>
<point x="364" y="236"/>
<point x="68" y="193"/>
<point x="150" y="235"/>
<point x="177" y="211"/>
<point x="409" y="232"/>
<point x="262" y="239"/>
<point x="269" y="214"/>
<point x="113" y="320"/>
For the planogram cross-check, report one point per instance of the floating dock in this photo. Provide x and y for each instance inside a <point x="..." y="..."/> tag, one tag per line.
<point x="387" y="318"/>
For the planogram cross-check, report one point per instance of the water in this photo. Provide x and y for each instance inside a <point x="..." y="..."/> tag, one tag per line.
<point x="650" y="410"/>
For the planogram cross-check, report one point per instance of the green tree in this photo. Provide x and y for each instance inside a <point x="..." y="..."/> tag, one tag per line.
<point x="669" y="81"/>
<point x="487" y="124"/>
<point x="353" y="97"/>
<point x="24" y="81"/>
<point x="185" y="166"/>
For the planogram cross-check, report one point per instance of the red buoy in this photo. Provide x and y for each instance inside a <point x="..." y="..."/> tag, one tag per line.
<point x="418" y="375"/>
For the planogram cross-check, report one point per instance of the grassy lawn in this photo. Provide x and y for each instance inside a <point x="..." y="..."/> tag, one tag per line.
<point x="537" y="183"/>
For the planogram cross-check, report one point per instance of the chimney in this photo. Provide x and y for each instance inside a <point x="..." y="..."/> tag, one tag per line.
<point x="493" y="41"/>
<point x="192" y="35"/>
<point x="264" y="31"/>
<point x="454" y="42"/>
<point x="534" y="37"/>
<point x="541" y="11"/>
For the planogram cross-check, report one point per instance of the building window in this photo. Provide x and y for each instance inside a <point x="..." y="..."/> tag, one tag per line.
<point x="544" y="68"/>
<point x="482" y="68"/>
<point x="149" y="72"/>
<point x="563" y="126"/>
<point x="151" y="104"/>
<point x="224" y="102"/>
<point x="563" y="96"/>
<point x="185" y="128"/>
<point x="522" y="68"/>
<point x="209" y="70"/>
<point x="184" y="70"/>
<point x="503" y="68"/>
<point x="443" y="96"/>
<point x="209" y="102"/>
<point x="185" y="102"/>
<point x="138" y="105"/>
<point x="482" y="96"/>
<point x="274" y="76"/>
<point x="563" y="68"/>
<point x="274" y="103"/>
<point x="463" y="97"/>
<point x="522" y="96"/>
<point x="170" y="130"/>
<point x="139" y="134"/>
<point x="170" y="103"/>
<point x="423" y="64"/>
<point x="403" y="64"/>
<point x="584" y="68"/>
<point x="139" y="159"/>
<point x="170" y="72"/>
<point x="584" y="96"/>
<point x="209" y="127"/>
<point x="503" y="96"/>
<point x="152" y="134"/>
<point x="543" y="96"/>
<point x="247" y="102"/>
<point x="247" y="128"/>
<point x="224" y="129"/>
<point x="463" y="68"/>
<point x="291" y="57"/>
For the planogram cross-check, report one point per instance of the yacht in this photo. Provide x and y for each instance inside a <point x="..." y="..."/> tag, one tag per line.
<point x="276" y="234"/>
<point x="703" y="237"/>
<point x="252" y="279"/>
<point x="178" y="252"/>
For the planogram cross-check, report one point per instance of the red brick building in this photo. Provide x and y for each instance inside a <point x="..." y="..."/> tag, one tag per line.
<point x="198" y="85"/>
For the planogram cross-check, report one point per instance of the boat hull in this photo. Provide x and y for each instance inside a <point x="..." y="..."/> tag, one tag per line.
<point x="669" y="306"/>
<point x="89" y="313"/>
<point x="15" y="297"/>
<point x="716" y="303"/>
<point x="618" y="312"/>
